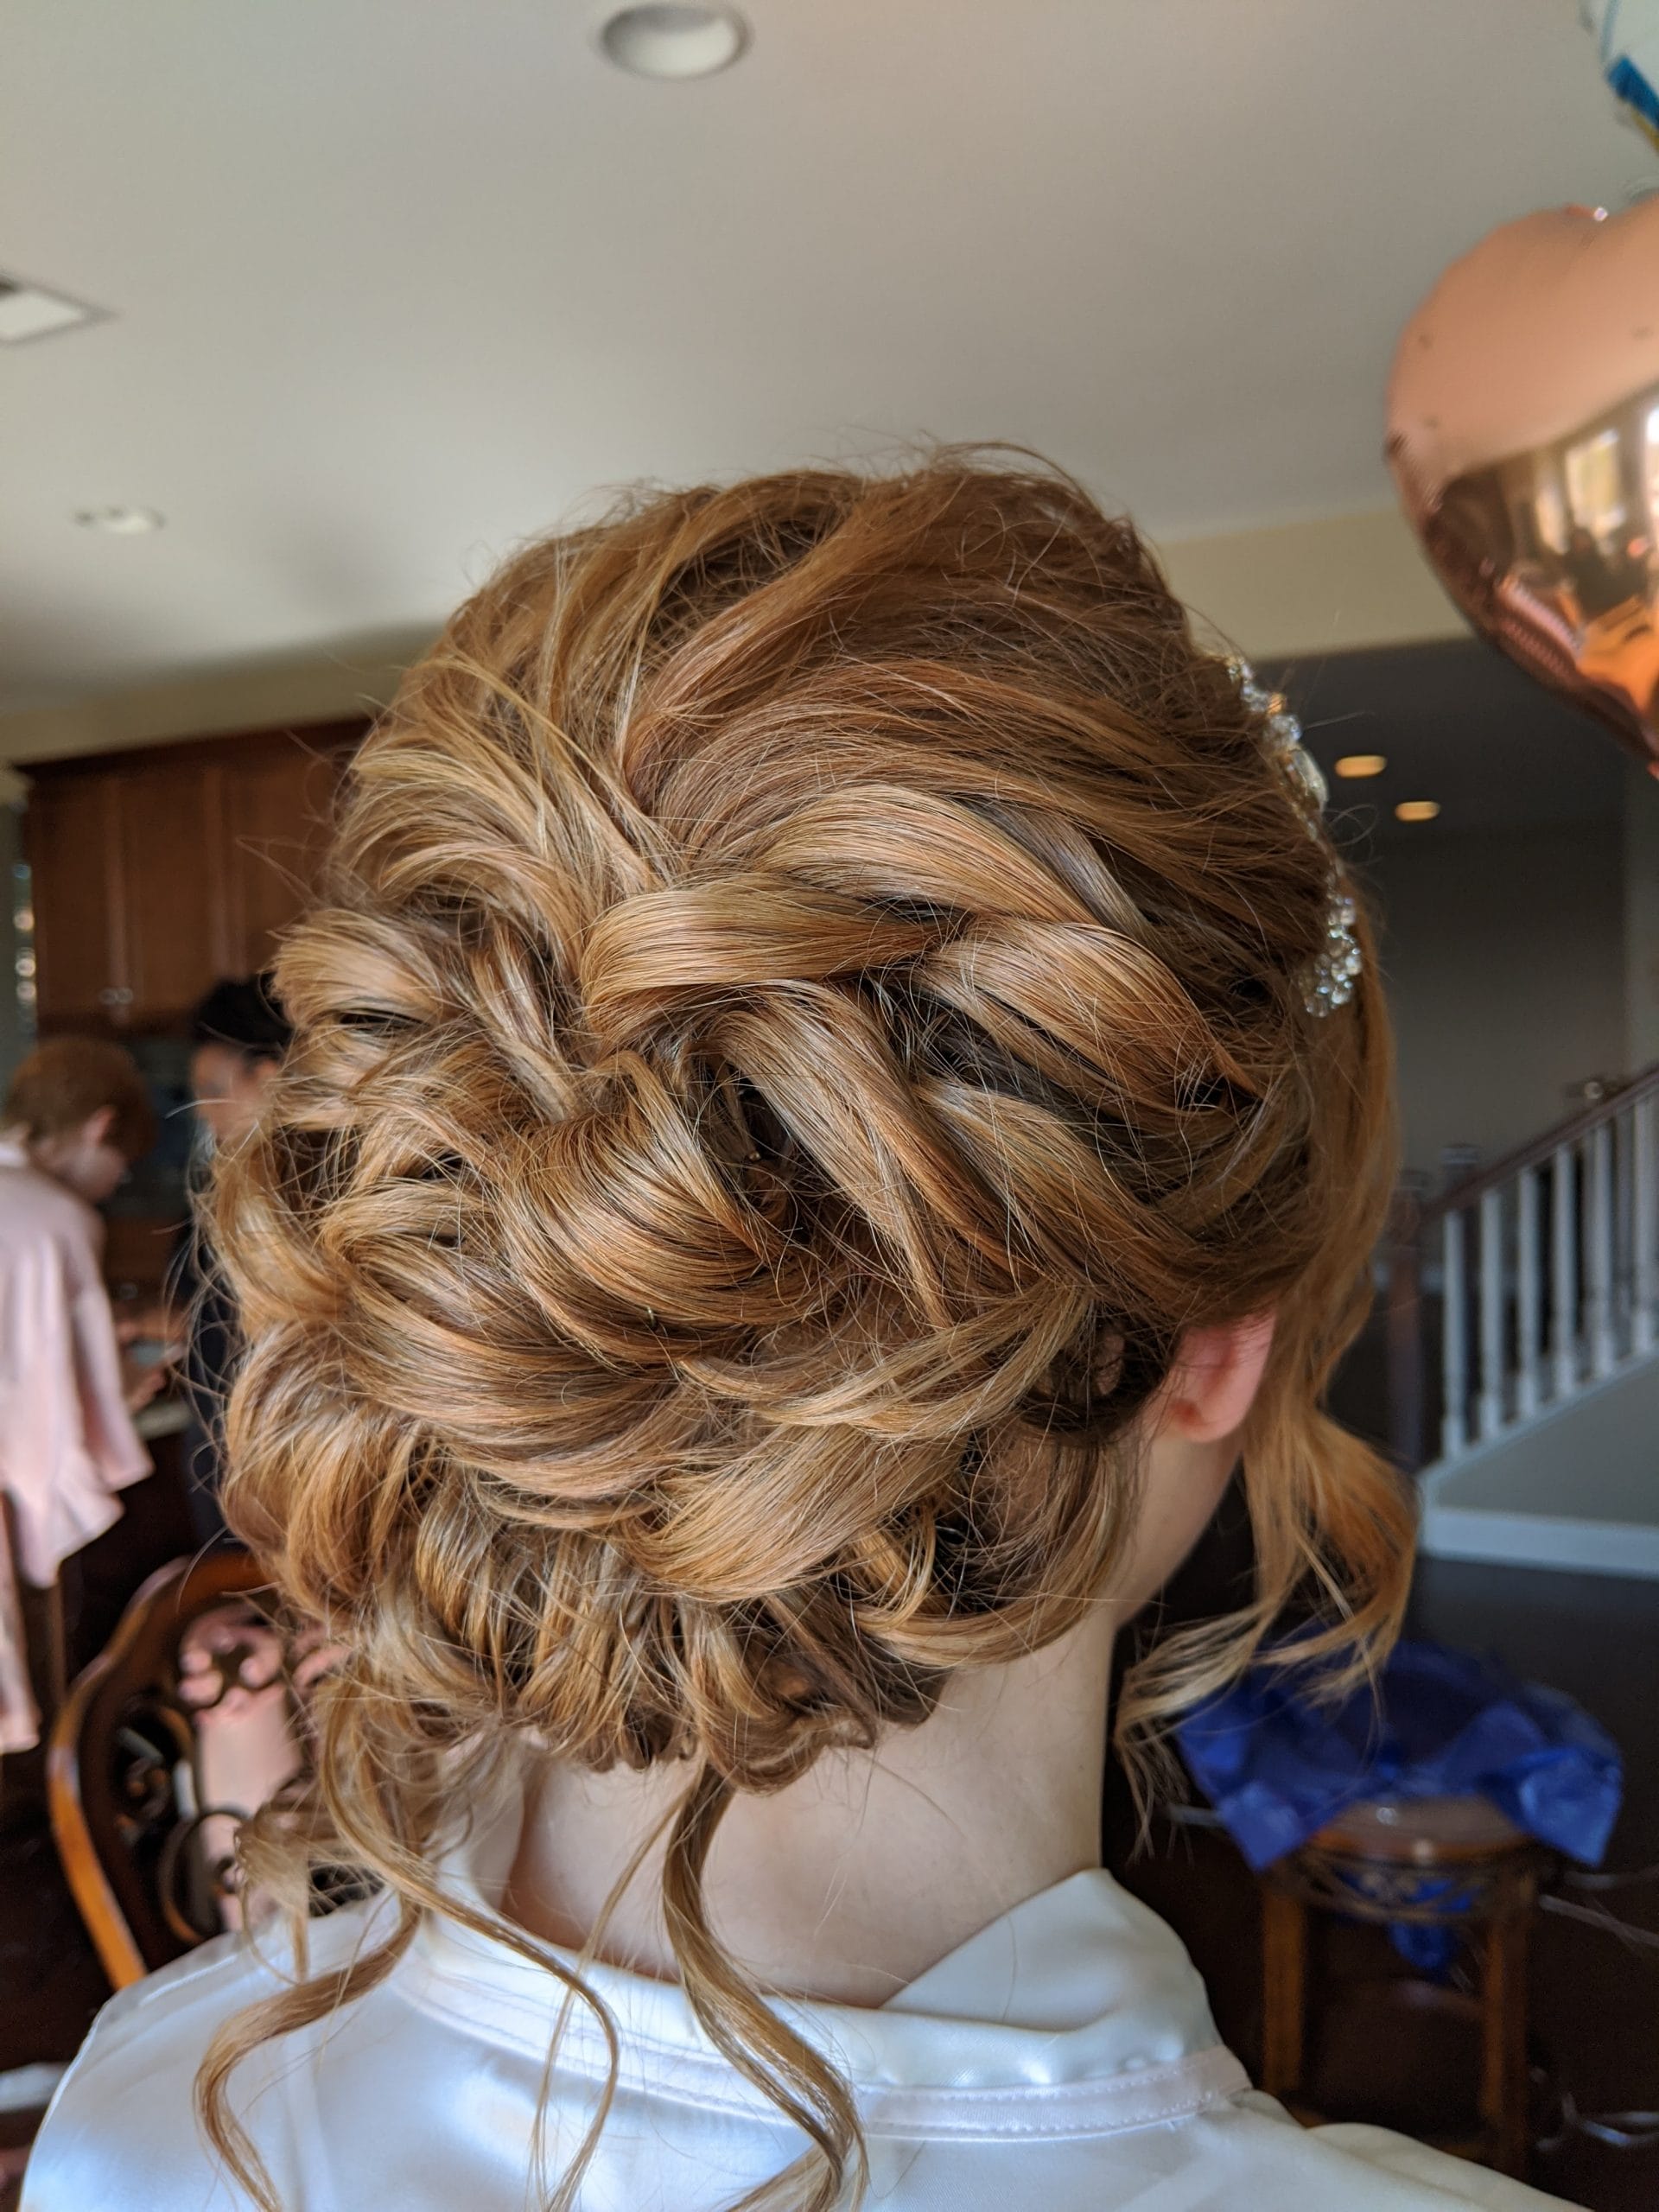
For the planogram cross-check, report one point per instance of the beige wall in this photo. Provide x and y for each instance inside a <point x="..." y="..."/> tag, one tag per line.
<point x="1304" y="588"/>
<point x="1504" y="958"/>
<point x="1307" y="588"/>
<point x="351" y="678"/>
<point x="1507" y="955"/>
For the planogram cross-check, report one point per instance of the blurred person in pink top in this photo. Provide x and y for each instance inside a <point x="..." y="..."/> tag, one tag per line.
<point x="75" y="1118"/>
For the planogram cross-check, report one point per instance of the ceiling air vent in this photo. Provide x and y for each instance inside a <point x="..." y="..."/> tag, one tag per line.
<point x="29" y="311"/>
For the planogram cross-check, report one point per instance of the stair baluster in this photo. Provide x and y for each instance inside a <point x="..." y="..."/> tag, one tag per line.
<point x="1603" y="1347"/>
<point x="1529" y="1316"/>
<point x="1490" y="1287"/>
<point x="1454" y="1423"/>
<point x="1564" y="1270"/>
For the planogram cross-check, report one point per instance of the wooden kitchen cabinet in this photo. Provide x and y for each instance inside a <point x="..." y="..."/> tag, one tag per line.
<point x="276" y="812"/>
<point x="169" y="863"/>
<point x="72" y="843"/>
<point x="157" y="872"/>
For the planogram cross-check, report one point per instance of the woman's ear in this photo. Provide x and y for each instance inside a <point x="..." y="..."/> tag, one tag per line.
<point x="1214" y="1381"/>
<point x="95" y="1130"/>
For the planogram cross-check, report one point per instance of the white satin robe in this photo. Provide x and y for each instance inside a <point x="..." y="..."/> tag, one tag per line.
<point x="1063" y="2059"/>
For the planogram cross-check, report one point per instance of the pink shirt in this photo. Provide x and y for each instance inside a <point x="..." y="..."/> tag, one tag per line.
<point x="66" y="1440"/>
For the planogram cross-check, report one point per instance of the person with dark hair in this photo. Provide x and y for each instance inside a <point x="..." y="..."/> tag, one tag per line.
<point x="237" y="1036"/>
<point x="239" y="1033"/>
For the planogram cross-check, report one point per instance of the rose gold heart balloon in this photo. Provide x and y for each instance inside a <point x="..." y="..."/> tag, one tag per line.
<point x="1523" y="434"/>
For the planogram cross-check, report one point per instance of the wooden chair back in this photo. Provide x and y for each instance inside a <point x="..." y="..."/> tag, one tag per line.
<point x="123" y="1775"/>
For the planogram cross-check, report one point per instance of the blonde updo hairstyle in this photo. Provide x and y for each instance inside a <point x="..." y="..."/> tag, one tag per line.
<point x="810" y="1010"/>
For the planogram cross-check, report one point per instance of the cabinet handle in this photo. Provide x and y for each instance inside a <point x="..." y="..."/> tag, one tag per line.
<point x="108" y="996"/>
<point x="124" y="997"/>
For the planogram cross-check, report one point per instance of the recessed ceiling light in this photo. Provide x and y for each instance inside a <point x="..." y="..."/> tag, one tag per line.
<point x="121" y="522"/>
<point x="30" y="311"/>
<point x="674" y="42"/>
<point x="1356" y="765"/>
<point x="1417" y="810"/>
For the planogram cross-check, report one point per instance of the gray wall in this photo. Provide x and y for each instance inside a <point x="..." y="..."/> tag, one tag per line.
<point x="1504" y="952"/>
<point x="1597" y="1460"/>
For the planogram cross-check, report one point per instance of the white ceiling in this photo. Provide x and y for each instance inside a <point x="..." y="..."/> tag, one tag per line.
<point x="395" y="282"/>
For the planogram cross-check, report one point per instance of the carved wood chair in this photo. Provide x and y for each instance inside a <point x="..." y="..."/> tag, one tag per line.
<point x="144" y="1847"/>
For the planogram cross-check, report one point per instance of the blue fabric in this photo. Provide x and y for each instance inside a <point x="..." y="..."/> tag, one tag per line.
<point x="1632" y="86"/>
<point x="1277" y="1763"/>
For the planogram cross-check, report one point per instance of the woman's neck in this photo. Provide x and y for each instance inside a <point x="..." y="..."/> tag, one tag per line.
<point x="853" y="1881"/>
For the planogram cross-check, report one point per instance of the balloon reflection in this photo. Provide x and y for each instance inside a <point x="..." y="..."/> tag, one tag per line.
<point x="1523" y="419"/>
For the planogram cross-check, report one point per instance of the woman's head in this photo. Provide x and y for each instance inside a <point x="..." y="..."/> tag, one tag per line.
<point x="813" y="1019"/>
<point x="80" y="1106"/>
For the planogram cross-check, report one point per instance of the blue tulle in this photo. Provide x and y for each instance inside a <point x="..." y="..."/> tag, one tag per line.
<point x="1277" y="1762"/>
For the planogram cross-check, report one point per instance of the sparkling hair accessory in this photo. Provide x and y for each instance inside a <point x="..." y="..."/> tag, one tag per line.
<point x="1328" y="981"/>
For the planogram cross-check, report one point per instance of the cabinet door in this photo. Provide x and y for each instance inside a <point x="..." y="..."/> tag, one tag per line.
<point x="172" y="886"/>
<point x="69" y="836"/>
<point x="278" y="803"/>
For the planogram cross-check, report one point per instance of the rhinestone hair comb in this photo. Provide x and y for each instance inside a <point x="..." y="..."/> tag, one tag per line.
<point x="1328" y="980"/>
